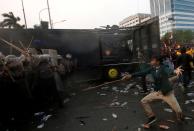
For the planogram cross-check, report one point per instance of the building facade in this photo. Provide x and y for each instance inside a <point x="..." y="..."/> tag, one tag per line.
<point x="134" y="20"/>
<point x="173" y="14"/>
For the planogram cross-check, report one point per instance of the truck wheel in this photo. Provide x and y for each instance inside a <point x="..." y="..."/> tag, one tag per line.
<point x="112" y="73"/>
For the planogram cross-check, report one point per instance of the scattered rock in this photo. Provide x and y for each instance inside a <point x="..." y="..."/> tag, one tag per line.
<point x="190" y="94"/>
<point x="105" y="119"/>
<point x="105" y="88"/>
<point x="103" y="94"/>
<point x="165" y="127"/>
<point x="45" y="118"/>
<point x="168" y="110"/>
<point x="139" y="87"/>
<point x="66" y="100"/>
<point x="115" y="104"/>
<point x="188" y="118"/>
<point x="115" y="89"/>
<point x="172" y="121"/>
<point x="114" y="115"/>
<point x="40" y="126"/>
<point x="136" y="93"/>
<point x="189" y="101"/>
<point x="124" y="104"/>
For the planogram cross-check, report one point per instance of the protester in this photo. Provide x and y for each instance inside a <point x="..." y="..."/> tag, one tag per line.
<point x="163" y="89"/>
<point x="185" y="61"/>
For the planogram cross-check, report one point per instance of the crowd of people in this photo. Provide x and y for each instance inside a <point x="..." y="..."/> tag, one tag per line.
<point x="31" y="84"/>
<point x="165" y="70"/>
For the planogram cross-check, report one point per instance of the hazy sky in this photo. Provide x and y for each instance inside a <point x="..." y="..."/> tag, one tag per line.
<point x="78" y="13"/>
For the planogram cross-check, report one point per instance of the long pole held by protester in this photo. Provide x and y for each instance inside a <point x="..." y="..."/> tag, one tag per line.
<point x="15" y="47"/>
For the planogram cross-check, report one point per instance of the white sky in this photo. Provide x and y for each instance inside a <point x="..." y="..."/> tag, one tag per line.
<point x="80" y="14"/>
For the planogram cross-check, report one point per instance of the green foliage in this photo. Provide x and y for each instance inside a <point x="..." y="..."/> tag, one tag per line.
<point x="11" y="21"/>
<point x="180" y="36"/>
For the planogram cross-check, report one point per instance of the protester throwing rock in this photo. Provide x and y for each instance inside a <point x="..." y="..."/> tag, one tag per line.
<point x="163" y="89"/>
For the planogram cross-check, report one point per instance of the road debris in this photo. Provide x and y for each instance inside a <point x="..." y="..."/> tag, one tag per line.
<point x="136" y="93"/>
<point x="165" y="127"/>
<point x="168" y="110"/>
<point x="122" y="91"/>
<point x="105" y="88"/>
<point x="46" y="117"/>
<point x="145" y="126"/>
<point x="105" y="119"/>
<point x="41" y="119"/>
<point x="115" y="104"/>
<point x="188" y="118"/>
<point x="82" y="123"/>
<point x="124" y="104"/>
<point x="40" y="126"/>
<point x="189" y="101"/>
<point x="103" y="94"/>
<point x="139" y="87"/>
<point x="190" y="94"/>
<point x="38" y="113"/>
<point x="66" y="100"/>
<point x="114" y="115"/>
<point x="115" y="89"/>
<point x="129" y="86"/>
<point x="171" y="121"/>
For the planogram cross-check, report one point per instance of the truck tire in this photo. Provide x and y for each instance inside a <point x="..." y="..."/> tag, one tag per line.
<point x="112" y="73"/>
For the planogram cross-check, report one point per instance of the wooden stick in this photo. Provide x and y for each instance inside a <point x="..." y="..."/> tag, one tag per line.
<point x="30" y="43"/>
<point x="22" y="45"/>
<point x="15" y="47"/>
<point x="107" y="83"/>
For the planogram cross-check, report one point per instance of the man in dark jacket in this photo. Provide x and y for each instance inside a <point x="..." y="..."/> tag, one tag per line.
<point x="163" y="89"/>
<point x="185" y="60"/>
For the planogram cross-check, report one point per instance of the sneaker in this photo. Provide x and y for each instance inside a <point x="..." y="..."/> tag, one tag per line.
<point x="151" y="120"/>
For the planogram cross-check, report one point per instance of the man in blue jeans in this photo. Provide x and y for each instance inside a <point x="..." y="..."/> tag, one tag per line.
<point x="163" y="89"/>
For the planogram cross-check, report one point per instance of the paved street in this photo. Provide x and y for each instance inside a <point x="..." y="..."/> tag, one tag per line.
<point x="115" y="108"/>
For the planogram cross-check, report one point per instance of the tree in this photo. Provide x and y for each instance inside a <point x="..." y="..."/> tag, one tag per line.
<point x="180" y="36"/>
<point x="11" y="21"/>
<point x="183" y="36"/>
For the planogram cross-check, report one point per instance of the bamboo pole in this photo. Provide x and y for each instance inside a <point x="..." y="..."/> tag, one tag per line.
<point x="107" y="83"/>
<point x="15" y="47"/>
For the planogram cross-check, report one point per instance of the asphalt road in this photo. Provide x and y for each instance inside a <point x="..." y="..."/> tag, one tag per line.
<point x="114" y="108"/>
